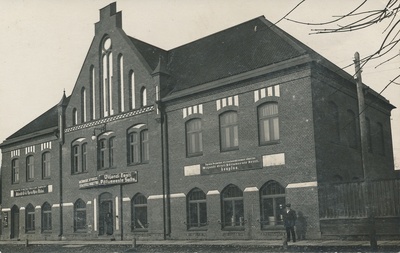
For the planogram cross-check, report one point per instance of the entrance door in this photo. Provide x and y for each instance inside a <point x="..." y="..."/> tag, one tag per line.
<point x="14" y="222"/>
<point x="106" y="225"/>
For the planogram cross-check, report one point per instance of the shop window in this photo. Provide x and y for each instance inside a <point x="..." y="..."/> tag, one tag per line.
<point x="15" y="171"/>
<point x="273" y="200"/>
<point x="268" y="122"/>
<point x="46" y="217"/>
<point x="30" y="218"/>
<point x="30" y="168"/>
<point x="229" y="135"/>
<point x="196" y="209"/>
<point x="194" y="142"/>
<point x="138" y="147"/>
<point x="79" y="216"/>
<point x="139" y="213"/>
<point x="232" y="208"/>
<point x="46" y="165"/>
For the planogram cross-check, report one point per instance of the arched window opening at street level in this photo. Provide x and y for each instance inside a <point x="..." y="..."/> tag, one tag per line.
<point x="46" y="218"/>
<point x="30" y="218"/>
<point x="79" y="216"/>
<point x="232" y="208"/>
<point x="273" y="200"/>
<point x="139" y="213"/>
<point x="196" y="209"/>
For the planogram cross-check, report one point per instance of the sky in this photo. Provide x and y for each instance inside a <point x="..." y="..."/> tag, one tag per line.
<point x="44" y="43"/>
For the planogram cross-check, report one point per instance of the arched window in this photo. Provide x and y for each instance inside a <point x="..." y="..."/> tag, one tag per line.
<point x="111" y="151"/>
<point x="139" y="213"/>
<point x="132" y="100"/>
<point x="79" y="215"/>
<point x="229" y="135"/>
<point x="93" y="93"/>
<point x="107" y="74"/>
<point x="46" y="217"/>
<point x="194" y="142"/>
<point x="332" y="119"/>
<point x="138" y="147"/>
<point x="46" y="170"/>
<point x="102" y="151"/>
<point x="75" y="159"/>
<point x="273" y="199"/>
<point x="29" y="218"/>
<point x="15" y="171"/>
<point x="74" y="117"/>
<point x="30" y="168"/>
<point x="84" y="157"/>
<point x="268" y="123"/>
<point x="121" y="82"/>
<point x="196" y="209"/>
<point x="351" y="129"/>
<point x="83" y="105"/>
<point x="232" y="208"/>
<point x="143" y="97"/>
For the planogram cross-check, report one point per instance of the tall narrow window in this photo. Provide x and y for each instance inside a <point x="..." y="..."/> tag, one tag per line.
<point x="75" y="159"/>
<point x="93" y="92"/>
<point x="194" y="142"/>
<point x="143" y="97"/>
<point x="79" y="216"/>
<point x="380" y="139"/>
<point x="74" y="117"/>
<point x="121" y="83"/>
<point x="144" y="141"/>
<point x="84" y="157"/>
<point x="229" y="131"/>
<point x="111" y="151"/>
<point x="351" y="129"/>
<point x="132" y="90"/>
<point x="46" y="165"/>
<point x="139" y="213"/>
<point x="134" y="148"/>
<point x="15" y="171"/>
<point x="30" y="168"/>
<point x="29" y="218"/>
<point x="273" y="200"/>
<point x="232" y="208"/>
<point x="107" y="73"/>
<point x="196" y="209"/>
<point x="102" y="153"/>
<point x="268" y="122"/>
<point x="83" y="105"/>
<point x="46" y="217"/>
<point x="333" y="122"/>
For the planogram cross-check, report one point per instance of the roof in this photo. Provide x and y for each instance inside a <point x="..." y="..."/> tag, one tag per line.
<point x="238" y="49"/>
<point x="46" y="120"/>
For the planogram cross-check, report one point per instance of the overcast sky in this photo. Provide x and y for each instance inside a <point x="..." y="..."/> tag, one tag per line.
<point x="44" y="43"/>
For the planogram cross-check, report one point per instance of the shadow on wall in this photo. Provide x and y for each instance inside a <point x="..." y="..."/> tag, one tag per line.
<point x="301" y="226"/>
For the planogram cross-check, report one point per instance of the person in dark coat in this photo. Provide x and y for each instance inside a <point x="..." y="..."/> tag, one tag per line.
<point x="289" y="221"/>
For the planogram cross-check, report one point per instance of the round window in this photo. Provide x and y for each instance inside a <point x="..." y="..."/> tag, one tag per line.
<point x="107" y="44"/>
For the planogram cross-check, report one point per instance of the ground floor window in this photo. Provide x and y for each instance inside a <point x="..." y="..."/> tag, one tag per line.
<point x="197" y="209"/>
<point x="79" y="216"/>
<point x="273" y="199"/>
<point x="46" y="217"/>
<point x="232" y="208"/>
<point x="30" y="218"/>
<point x="139" y="213"/>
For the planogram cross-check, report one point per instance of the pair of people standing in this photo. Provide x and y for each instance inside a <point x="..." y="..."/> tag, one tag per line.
<point x="289" y="221"/>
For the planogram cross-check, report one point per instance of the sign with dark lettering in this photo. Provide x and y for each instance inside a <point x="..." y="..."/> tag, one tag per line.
<point x="31" y="191"/>
<point x="248" y="163"/>
<point x="109" y="179"/>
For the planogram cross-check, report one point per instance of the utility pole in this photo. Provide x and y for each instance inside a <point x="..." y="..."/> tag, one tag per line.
<point x="364" y="152"/>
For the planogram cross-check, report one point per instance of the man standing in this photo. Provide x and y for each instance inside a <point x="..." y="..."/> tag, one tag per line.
<point x="289" y="220"/>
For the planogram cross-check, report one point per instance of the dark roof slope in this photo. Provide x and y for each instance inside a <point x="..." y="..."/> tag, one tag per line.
<point x="149" y="52"/>
<point x="238" y="49"/>
<point x="44" y="121"/>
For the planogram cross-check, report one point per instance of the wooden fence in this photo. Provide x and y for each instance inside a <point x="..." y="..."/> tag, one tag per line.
<point x="360" y="199"/>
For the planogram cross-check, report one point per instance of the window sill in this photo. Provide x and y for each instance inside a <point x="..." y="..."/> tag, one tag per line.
<point x="139" y="230"/>
<point x="195" y="229"/>
<point x="229" y="149"/>
<point x="194" y="155"/>
<point x="270" y="143"/>
<point x="233" y="228"/>
<point x="76" y="173"/>
<point x="80" y="231"/>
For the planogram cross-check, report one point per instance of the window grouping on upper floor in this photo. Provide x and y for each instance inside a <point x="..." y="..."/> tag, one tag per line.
<point x="105" y="148"/>
<point x="348" y="125"/>
<point x="30" y="163"/>
<point x="267" y="121"/>
<point x="111" y="89"/>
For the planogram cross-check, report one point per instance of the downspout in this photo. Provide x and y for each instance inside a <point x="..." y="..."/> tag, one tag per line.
<point x="61" y="190"/>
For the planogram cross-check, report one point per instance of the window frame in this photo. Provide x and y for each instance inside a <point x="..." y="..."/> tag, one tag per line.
<point x="46" y="165"/>
<point x="270" y="121"/>
<point x="135" y="207"/>
<point x="46" y="218"/>
<point x="236" y="204"/>
<point x="15" y="175"/>
<point x="277" y="192"/>
<point x="198" y="203"/>
<point x="30" y="168"/>
<point x="138" y="147"/>
<point x="80" y="209"/>
<point x="29" y="219"/>
<point x="197" y="134"/>
<point x="233" y="132"/>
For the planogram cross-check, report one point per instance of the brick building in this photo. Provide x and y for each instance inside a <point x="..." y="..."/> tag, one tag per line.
<point x="205" y="141"/>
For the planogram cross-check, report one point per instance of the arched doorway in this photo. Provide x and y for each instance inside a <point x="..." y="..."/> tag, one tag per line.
<point x="14" y="222"/>
<point x="106" y="224"/>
